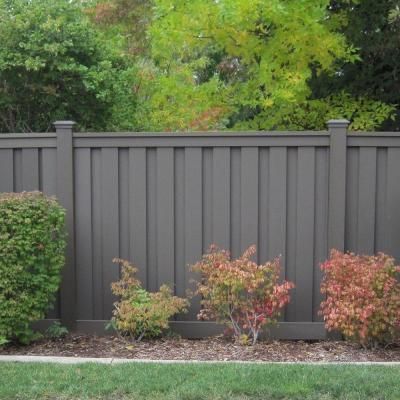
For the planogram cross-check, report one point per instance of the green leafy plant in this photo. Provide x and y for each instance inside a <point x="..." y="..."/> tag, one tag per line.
<point x="240" y="293"/>
<point x="55" y="64"/>
<point x="373" y="80"/>
<point x="56" y="330"/>
<point x="139" y="313"/>
<point x="235" y="64"/>
<point x="363" y="113"/>
<point x="362" y="297"/>
<point x="32" y="242"/>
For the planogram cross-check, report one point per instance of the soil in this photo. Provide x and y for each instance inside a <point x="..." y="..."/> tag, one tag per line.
<point x="218" y="348"/>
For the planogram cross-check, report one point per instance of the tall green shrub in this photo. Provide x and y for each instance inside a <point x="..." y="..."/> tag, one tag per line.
<point x="32" y="242"/>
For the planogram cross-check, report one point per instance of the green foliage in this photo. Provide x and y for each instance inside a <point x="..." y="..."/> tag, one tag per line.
<point x="177" y="103"/>
<point x="3" y="341"/>
<point x="394" y="14"/>
<point x="365" y="114"/>
<point x="32" y="242"/>
<point x="261" y="64"/>
<point x="245" y="60"/>
<point x="56" y="331"/>
<point x="54" y="64"/>
<point x="138" y="313"/>
<point x="374" y="29"/>
<point x="174" y="65"/>
<point x="240" y="293"/>
<point x="129" y="17"/>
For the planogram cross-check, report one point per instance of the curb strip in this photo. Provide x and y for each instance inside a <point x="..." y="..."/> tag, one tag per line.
<point x="113" y="361"/>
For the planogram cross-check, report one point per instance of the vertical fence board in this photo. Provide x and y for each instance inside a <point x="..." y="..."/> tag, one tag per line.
<point x="152" y="279"/>
<point x="393" y="201"/>
<point x="221" y="197"/>
<point x="207" y="180"/>
<point x="123" y="186"/>
<point x="97" y="234"/>
<point x="48" y="185"/>
<point x="30" y="169"/>
<point x="110" y="228"/>
<point x="17" y="169"/>
<point x="180" y="221"/>
<point x="320" y="225"/>
<point x="305" y="234"/>
<point x="366" y="198"/>
<point x="83" y="236"/>
<point x="352" y="200"/>
<point x="65" y="195"/>
<point x="249" y="197"/>
<point x="165" y="216"/>
<point x="263" y="205"/>
<point x="381" y="221"/>
<point x="193" y="221"/>
<point x="235" y="203"/>
<point x="289" y="268"/>
<point x="6" y="170"/>
<point x="277" y="205"/>
<point x="48" y="171"/>
<point x="337" y="183"/>
<point x="138" y="211"/>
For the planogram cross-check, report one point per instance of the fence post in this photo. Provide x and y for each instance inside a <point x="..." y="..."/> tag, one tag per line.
<point x="337" y="183"/>
<point x="65" y="195"/>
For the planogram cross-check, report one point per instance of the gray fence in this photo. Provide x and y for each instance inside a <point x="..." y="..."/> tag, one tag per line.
<point x="160" y="200"/>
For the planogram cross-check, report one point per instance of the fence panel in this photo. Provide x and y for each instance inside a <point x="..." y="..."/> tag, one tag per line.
<point x="174" y="202"/>
<point x="28" y="162"/>
<point x="160" y="200"/>
<point x="373" y="194"/>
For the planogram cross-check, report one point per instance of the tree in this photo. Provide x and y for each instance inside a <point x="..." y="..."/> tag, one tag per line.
<point x="246" y="65"/>
<point x="130" y="17"/>
<point x="54" y="64"/>
<point x="175" y="95"/>
<point x="373" y="27"/>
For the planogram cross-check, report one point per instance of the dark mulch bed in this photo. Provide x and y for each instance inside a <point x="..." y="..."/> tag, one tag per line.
<point x="218" y="348"/>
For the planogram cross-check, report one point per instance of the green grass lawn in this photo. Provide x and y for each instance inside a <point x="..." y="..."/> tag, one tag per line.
<point x="197" y="381"/>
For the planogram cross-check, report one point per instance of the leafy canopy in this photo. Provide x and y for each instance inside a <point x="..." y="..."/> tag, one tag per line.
<point x="54" y="64"/>
<point x="249" y="62"/>
<point x="373" y="27"/>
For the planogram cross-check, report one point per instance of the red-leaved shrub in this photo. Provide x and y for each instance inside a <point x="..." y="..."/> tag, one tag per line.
<point x="362" y="297"/>
<point x="240" y="293"/>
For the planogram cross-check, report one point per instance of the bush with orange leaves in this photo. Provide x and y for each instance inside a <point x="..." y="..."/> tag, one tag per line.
<point x="240" y="293"/>
<point x="139" y="313"/>
<point x="362" y="297"/>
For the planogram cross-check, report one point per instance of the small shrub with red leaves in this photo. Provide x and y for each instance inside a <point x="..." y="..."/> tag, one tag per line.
<point x="240" y="293"/>
<point x="362" y="297"/>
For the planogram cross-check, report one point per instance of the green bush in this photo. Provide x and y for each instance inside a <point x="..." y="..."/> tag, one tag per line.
<point x="32" y="242"/>
<point x="56" y="331"/>
<point x="55" y="64"/>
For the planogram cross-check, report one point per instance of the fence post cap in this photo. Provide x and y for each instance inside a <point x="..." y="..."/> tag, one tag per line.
<point x="64" y="124"/>
<point x="338" y="123"/>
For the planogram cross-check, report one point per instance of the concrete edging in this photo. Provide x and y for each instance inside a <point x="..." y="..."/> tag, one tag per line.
<point x="113" y="361"/>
